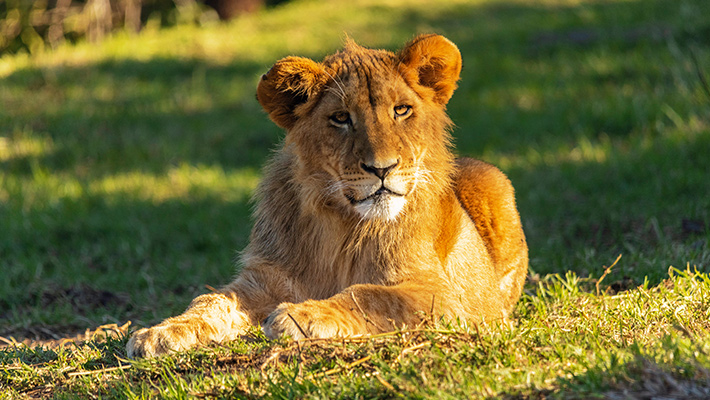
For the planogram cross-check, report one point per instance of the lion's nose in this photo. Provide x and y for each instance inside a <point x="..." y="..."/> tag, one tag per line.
<point x="380" y="169"/>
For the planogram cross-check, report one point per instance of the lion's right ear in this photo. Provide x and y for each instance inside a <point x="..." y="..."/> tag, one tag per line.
<point x="290" y="82"/>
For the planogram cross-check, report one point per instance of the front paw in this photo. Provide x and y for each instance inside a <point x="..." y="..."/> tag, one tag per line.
<point x="160" y="340"/>
<point x="306" y="320"/>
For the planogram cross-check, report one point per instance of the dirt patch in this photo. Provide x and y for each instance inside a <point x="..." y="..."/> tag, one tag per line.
<point x="83" y="301"/>
<point x="83" y="298"/>
<point x="654" y="381"/>
<point x="63" y="340"/>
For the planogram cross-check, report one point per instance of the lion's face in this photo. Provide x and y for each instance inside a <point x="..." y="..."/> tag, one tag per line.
<point x="365" y="140"/>
<point x="366" y="125"/>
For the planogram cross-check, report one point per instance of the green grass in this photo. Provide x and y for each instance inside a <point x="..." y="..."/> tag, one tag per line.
<point x="126" y="170"/>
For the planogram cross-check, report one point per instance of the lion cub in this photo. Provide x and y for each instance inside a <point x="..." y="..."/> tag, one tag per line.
<point x="365" y="220"/>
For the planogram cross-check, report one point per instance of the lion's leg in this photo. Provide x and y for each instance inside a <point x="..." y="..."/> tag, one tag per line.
<point x="360" y="309"/>
<point x="489" y="199"/>
<point x="214" y="317"/>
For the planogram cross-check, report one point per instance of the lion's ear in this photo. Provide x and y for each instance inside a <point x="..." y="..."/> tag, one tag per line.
<point x="434" y="62"/>
<point x="290" y="82"/>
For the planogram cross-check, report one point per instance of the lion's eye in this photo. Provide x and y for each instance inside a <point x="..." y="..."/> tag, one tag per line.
<point x="402" y="111"/>
<point x="340" y="118"/>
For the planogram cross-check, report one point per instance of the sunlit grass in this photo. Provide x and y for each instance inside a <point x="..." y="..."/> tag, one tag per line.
<point x="567" y="342"/>
<point x="184" y="181"/>
<point x="30" y="147"/>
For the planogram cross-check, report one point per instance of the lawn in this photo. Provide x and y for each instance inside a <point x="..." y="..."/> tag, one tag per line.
<point x="126" y="170"/>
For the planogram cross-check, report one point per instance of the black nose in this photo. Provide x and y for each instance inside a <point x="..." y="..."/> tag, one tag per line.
<point x="379" y="172"/>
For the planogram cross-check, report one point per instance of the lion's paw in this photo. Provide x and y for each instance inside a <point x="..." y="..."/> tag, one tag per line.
<point x="304" y="320"/>
<point x="160" y="340"/>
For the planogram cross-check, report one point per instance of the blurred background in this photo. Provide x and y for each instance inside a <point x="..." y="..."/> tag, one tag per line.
<point x="131" y="139"/>
<point x="32" y="25"/>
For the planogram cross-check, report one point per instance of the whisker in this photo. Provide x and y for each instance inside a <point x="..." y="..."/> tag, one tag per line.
<point x="340" y="88"/>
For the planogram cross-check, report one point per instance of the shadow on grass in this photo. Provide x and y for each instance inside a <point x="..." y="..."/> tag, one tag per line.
<point x="130" y="115"/>
<point x="600" y="123"/>
<point x="89" y="262"/>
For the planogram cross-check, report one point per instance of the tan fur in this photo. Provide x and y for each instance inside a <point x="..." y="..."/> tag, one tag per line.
<point x="365" y="221"/>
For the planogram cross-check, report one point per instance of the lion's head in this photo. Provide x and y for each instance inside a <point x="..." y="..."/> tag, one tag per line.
<point x="367" y="127"/>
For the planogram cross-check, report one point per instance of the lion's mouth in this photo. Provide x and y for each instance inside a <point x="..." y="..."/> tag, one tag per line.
<point x="380" y="193"/>
<point x="383" y="204"/>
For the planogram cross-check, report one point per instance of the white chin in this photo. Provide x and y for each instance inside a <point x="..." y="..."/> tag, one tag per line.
<point x="384" y="208"/>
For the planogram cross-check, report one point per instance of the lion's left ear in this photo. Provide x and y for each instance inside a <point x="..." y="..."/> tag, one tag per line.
<point x="434" y="62"/>
<point x="290" y="82"/>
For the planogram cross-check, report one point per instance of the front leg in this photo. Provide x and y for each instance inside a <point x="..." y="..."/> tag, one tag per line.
<point x="359" y="310"/>
<point x="212" y="317"/>
<point x="215" y="317"/>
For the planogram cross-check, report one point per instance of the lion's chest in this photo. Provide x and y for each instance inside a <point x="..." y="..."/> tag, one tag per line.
<point x="338" y="264"/>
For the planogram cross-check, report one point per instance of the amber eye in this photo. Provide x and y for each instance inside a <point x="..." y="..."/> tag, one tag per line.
<point x="340" y="118"/>
<point x="402" y="111"/>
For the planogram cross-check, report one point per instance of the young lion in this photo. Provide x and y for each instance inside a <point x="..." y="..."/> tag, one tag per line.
<point x="365" y="220"/>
